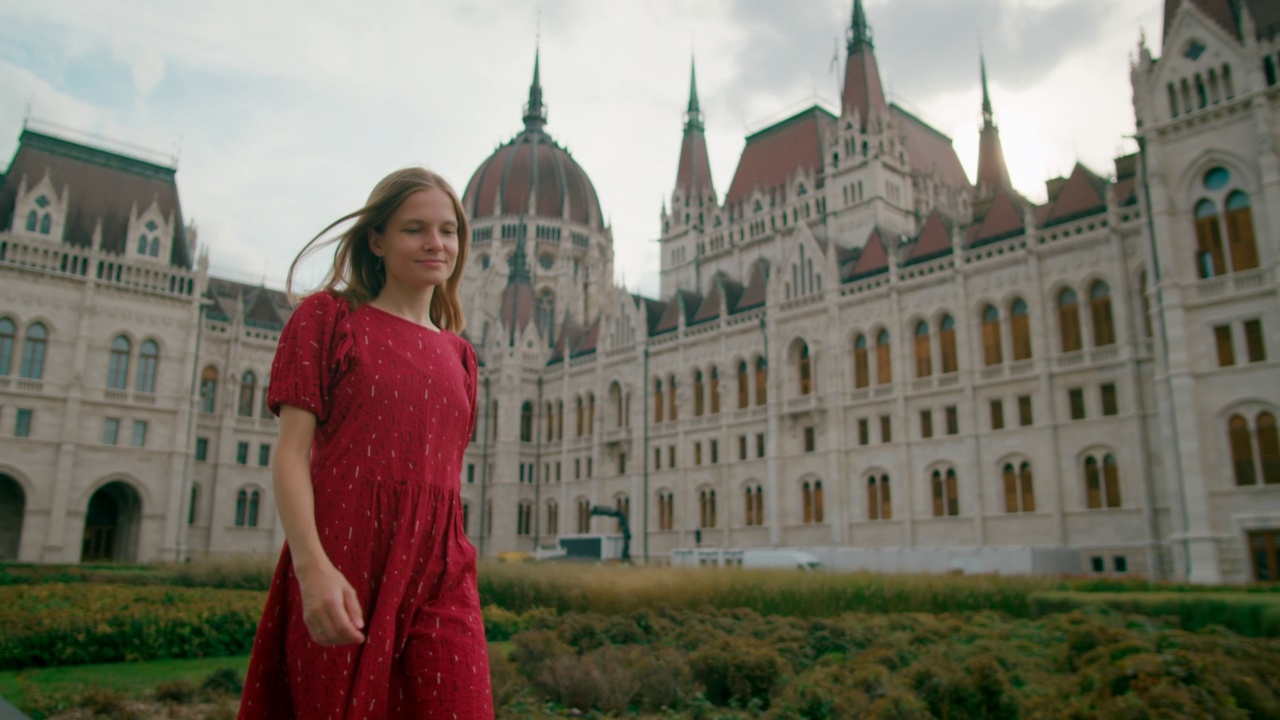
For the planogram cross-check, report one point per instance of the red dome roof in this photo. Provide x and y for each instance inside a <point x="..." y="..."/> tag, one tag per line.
<point x="510" y="182"/>
<point x="532" y="175"/>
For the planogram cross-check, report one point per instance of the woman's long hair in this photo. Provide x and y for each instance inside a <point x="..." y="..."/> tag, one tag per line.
<point x="358" y="277"/>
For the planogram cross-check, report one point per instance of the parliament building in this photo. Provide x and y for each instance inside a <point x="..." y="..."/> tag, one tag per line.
<point x="857" y="349"/>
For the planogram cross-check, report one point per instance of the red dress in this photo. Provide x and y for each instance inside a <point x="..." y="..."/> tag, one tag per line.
<point x="395" y="408"/>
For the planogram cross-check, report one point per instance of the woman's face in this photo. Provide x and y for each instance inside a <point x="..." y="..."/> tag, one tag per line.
<point x="419" y="246"/>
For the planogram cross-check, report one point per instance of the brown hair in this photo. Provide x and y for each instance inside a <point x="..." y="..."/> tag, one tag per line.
<point x="357" y="277"/>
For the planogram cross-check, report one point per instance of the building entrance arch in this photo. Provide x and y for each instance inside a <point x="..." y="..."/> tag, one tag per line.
<point x="13" y="505"/>
<point x="111" y="524"/>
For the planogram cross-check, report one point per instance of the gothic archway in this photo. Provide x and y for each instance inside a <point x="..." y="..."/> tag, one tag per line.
<point x="13" y="504"/>
<point x="111" y="524"/>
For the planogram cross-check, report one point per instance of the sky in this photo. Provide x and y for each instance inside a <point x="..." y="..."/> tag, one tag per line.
<point x="281" y="114"/>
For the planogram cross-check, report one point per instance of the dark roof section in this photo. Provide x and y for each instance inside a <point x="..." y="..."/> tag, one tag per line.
<point x="929" y="151"/>
<point x="684" y="303"/>
<point x="105" y="186"/>
<point x="1082" y="194"/>
<point x="753" y="296"/>
<point x="1125" y="192"/>
<point x="934" y="240"/>
<point x="1227" y="14"/>
<point x="1003" y="220"/>
<point x="774" y="154"/>
<point x="261" y="307"/>
<point x="711" y="307"/>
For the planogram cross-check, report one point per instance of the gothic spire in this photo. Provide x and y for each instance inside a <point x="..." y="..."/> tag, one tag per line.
<point x="863" y="94"/>
<point x="993" y="173"/>
<point x="693" y="177"/>
<point x="535" y="113"/>
<point x="693" y="116"/>
<point x="859" y="32"/>
<point x="986" y="96"/>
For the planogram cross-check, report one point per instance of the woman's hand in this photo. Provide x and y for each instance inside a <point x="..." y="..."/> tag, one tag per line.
<point x="330" y="607"/>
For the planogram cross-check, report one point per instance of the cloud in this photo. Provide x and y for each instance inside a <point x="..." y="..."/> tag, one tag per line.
<point x="145" y="64"/>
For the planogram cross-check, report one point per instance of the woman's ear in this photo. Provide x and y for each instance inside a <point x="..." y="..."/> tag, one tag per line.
<point x="375" y="243"/>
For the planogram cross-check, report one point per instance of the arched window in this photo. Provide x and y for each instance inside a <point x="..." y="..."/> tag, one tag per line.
<point x="242" y="507"/>
<point x="672" y="407"/>
<point x="1028" y="487"/>
<point x="939" y="494"/>
<point x="715" y="391"/>
<point x="578" y="416"/>
<point x="879" y="498"/>
<point x="953" y="493"/>
<point x="1102" y="483"/>
<point x="946" y="494"/>
<point x="1104" y="329"/>
<point x="1092" y="483"/>
<point x="1019" y="488"/>
<point x="753" y="498"/>
<point x="32" y="219"/>
<point x="924" y="355"/>
<point x="657" y="401"/>
<point x="254" y="499"/>
<point x="697" y="393"/>
<point x="762" y="381"/>
<point x="1244" y="249"/>
<point x="591" y="413"/>
<point x="1269" y="448"/>
<point x="524" y="518"/>
<point x="33" y="352"/>
<point x="195" y="503"/>
<point x="526" y="422"/>
<point x="744" y="385"/>
<point x="118" y="363"/>
<point x="584" y="516"/>
<point x="466" y="518"/>
<point x="1211" y="260"/>
<point x="806" y="502"/>
<point x="806" y="370"/>
<point x="622" y="504"/>
<point x="46" y="224"/>
<point x="666" y="510"/>
<point x="148" y="359"/>
<point x="248" y="385"/>
<point x="818" y="507"/>
<point x="1241" y="451"/>
<point x="551" y="422"/>
<point x="707" y="508"/>
<point x="947" y="341"/>
<point x="884" y="368"/>
<point x="1069" y="320"/>
<point x="559" y="419"/>
<point x="142" y="244"/>
<point x="1020" y="329"/>
<point x="208" y="388"/>
<point x="553" y="518"/>
<point x="8" y="333"/>
<point x="1111" y="479"/>
<point x="991" y="351"/>
<point x="155" y="247"/>
<point x="861" y="363"/>
<point x="264" y="400"/>
<point x="615" y="397"/>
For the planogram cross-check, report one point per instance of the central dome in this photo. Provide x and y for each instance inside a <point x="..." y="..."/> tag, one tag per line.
<point x="533" y="176"/>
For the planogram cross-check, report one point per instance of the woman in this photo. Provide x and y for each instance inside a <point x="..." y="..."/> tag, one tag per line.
<point x="373" y="611"/>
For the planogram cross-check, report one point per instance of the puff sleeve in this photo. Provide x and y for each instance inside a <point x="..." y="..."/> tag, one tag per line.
<point x="313" y="352"/>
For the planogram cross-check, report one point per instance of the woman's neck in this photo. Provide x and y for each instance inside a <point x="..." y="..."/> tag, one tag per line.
<point x="413" y="304"/>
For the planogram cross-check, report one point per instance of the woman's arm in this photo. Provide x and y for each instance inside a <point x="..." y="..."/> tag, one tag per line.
<point x="331" y="609"/>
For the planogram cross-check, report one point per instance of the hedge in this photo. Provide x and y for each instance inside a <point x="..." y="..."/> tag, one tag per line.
<point x="1249" y="614"/>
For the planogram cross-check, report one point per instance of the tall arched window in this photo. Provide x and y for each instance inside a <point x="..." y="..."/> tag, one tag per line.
<point x="155" y="246"/>
<point x="553" y="518"/>
<point x="551" y="422"/>
<point x="148" y="359"/>
<point x="208" y="388"/>
<point x="33" y="352"/>
<point x="1019" y="488"/>
<point x="1269" y="448"/>
<point x="591" y="413"/>
<point x="526" y="422"/>
<point x="744" y="385"/>
<point x="1241" y="451"/>
<point x="142" y="244"/>
<point x="753" y="498"/>
<point x="1069" y="320"/>
<point x="947" y="343"/>
<point x="1092" y="483"/>
<point x="615" y="398"/>
<point x="818" y="504"/>
<point x="254" y="499"/>
<point x="1102" y="482"/>
<point x="118" y="363"/>
<point x="1111" y="479"/>
<point x="584" y="516"/>
<point x="622" y="503"/>
<point x="559" y="420"/>
<point x="806" y="370"/>
<point x="1211" y="259"/>
<point x="1244" y="249"/>
<point x="1020" y="329"/>
<point x="806" y="502"/>
<point x="1104" y="329"/>
<point x="666" y="510"/>
<point x="714" y="395"/>
<point x="545" y="315"/>
<point x="46" y="224"/>
<point x="32" y="219"/>
<point x="939" y="494"/>
<point x="707" y="508"/>
<point x="672" y="406"/>
<point x="884" y="366"/>
<point x="8" y="333"/>
<point x="861" y="362"/>
<point x="578" y="416"/>
<point x="657" y="401"/>
<point x="953" y="493"/>
<point x="924" y="355"/>
<point x="946" y="494"/>
<point x="248" y="385"/>
<point x="194" y="504"/>
<point x="1028" y="487"/>
<point x="991" y="351"/>
<point x="242" y="507"/>
<point x="762" y="381"/>
<point x="697" y="393"/>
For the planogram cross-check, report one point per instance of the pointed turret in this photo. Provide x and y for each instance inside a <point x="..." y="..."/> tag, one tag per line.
<point x="693" y="176"/>
<point x="535" y="113"/>
<point x="993" y="174"/>
<point x="517" y="296"/>
<point x="863" y="94"/>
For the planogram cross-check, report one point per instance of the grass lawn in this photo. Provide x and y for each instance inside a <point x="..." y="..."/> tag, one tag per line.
<point x="134" y="679"/>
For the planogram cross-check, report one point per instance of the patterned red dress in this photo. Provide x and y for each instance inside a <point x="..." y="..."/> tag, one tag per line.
<point x="395" y="408"/>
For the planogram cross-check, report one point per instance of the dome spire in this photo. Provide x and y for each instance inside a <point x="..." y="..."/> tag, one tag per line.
<point x="863" y="94"/>
<point x="535" y="113"/>
<point x="986" y="96"/>
<point x="859" y="33"/>
<point x="993" y="173"/>
<point x="694" y="113"/>
<point x="693" y="176"/>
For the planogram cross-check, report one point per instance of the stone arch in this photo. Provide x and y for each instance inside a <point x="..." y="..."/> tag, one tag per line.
<point x="13" y="506"/>
<point x="112" y="523"/>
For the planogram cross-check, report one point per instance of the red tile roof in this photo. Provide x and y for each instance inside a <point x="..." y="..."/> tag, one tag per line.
<point x="993" y="173"/>
<point x="694" y="172"/>
<point x="1002" y="220"/>
<point x="863" y="93"/>
<point x="104" y="187"/>
<point x="873" y="258"/>
<point x="710" y="307"/>
<point x="934" y="240"/>
<point x="774" y="154"/>
<point x="1082" y="194"/>
<point x="563" y="188"/>
<point x="754" y="295"/>
<point x="929" y="151"/>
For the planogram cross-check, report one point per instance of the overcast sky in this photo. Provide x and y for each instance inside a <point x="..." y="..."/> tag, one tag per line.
<point x="284" y="114"/>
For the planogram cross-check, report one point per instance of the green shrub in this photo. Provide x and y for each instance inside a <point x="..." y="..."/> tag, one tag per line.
<point x="226" y="681"/>
<point x="179" y="692"/>
<point x="738" y="671"/>
<point x="1251" y="614"/>
<point x="108" y="704"/>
